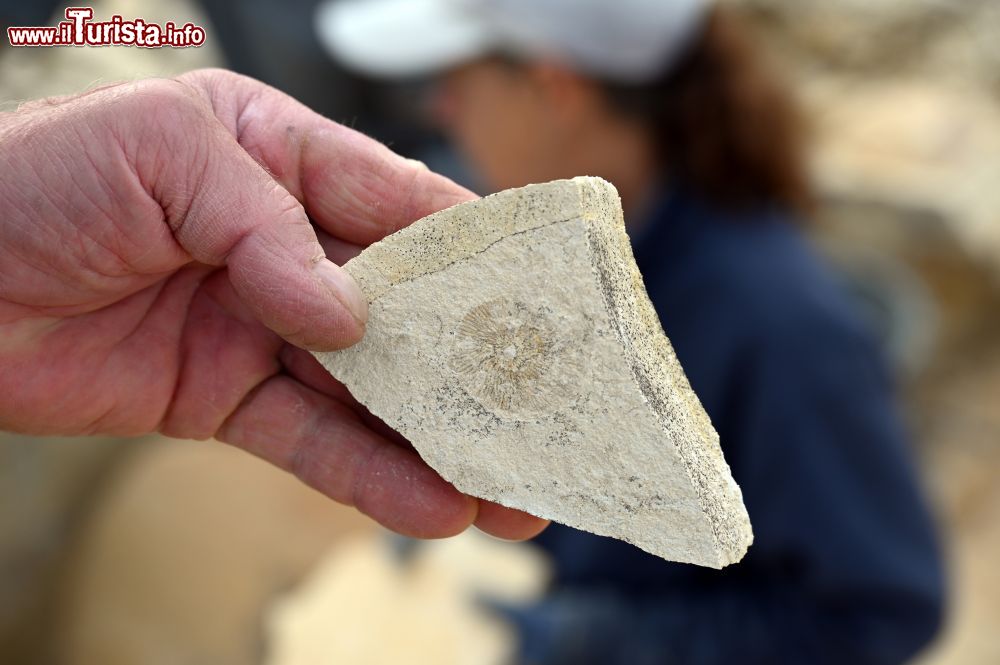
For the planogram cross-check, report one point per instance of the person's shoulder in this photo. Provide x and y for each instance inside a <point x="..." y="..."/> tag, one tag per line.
<point x="761" y="269"/>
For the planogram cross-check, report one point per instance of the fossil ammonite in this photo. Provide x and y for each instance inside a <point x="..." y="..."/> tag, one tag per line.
<point x="512" y="360"/>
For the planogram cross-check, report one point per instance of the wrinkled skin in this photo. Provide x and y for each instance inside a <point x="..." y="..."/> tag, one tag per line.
<point x="166" y="248"/>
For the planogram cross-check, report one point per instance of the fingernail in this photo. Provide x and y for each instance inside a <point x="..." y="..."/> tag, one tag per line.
<point x="344" y="289"/>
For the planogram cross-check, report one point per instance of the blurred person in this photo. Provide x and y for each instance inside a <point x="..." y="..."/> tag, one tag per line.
<point x="670" y="101"/>
<point x="275" y="43"/>
<point x="163" y="264"/>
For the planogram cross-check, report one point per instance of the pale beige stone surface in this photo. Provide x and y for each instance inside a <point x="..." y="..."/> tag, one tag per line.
<point x="185" y="547"/>
<point x="367" y="603"/>
<point x="512" y="341"/>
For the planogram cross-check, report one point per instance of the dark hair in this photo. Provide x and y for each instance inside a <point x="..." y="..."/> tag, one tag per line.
<point x="723" y="123"/>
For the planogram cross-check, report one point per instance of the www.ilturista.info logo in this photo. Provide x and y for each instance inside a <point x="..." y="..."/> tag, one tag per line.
<point x="79" y="30"/>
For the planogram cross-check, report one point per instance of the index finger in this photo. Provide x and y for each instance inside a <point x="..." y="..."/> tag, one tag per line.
<point x="351" y="185"/>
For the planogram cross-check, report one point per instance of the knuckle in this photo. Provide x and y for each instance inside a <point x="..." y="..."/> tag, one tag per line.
<point x="170" y="100"/>
<point x="211" y="77"/>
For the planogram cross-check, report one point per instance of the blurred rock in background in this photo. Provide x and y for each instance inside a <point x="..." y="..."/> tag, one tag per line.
<point x="47" y="488"/>
<point x="186" y="547"/>
<point x="428" y="592"/>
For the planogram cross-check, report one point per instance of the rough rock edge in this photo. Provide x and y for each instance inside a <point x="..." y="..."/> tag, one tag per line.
<point x="658" y="374"/>
<point x="458" y="233"/>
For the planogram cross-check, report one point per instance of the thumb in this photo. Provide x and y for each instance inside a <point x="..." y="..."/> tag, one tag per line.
<point x="224" y="209"/>
<point x="279" y="269"/>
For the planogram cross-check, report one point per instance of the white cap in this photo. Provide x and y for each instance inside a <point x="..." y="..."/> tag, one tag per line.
<point x="626" y="41"/>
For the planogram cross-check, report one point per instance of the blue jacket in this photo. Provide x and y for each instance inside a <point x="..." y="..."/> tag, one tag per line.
<point x="844" y="567"/>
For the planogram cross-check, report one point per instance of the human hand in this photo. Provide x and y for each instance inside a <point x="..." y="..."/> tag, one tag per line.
<point x="163" y="257"/>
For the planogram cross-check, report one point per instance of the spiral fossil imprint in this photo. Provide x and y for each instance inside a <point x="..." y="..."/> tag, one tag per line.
<point x="508" y="355"/>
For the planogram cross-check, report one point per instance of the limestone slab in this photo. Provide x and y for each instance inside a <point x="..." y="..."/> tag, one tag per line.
<point x="511" y="340"/>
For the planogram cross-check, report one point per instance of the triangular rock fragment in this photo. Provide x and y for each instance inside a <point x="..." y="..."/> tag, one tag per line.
<point x="511" y="340"/>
